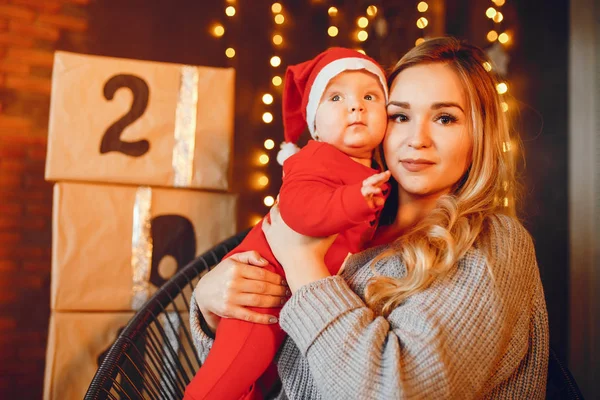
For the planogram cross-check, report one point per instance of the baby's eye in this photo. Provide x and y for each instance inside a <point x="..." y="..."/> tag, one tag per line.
<point x="335" y="97"/>
<point x="369" y="97"/>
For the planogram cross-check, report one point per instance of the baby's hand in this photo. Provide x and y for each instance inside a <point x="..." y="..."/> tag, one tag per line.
<point x="371" y="189"/>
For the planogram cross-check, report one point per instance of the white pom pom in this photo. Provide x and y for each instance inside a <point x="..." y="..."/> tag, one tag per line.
<point x="287" y="150"/>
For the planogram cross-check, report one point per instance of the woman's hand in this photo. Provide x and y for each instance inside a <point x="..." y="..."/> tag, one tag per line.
<point x="302" y="257"/>
<point x="236" y="283"/>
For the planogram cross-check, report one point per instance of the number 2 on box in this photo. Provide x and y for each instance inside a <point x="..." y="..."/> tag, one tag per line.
<point x="111" y="141"/>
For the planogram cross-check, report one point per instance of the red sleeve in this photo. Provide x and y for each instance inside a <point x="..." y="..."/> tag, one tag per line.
<point x="314" y="202"/>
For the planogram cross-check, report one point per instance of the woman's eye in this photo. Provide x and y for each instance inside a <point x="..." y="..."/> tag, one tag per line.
<point x="368" y="97"/>
<point x="398" y="118"/>
<point x="336" y="98"/>
<point x="446" y="119"/>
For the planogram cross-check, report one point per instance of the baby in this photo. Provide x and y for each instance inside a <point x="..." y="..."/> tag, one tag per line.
<point x="331" y="186"/>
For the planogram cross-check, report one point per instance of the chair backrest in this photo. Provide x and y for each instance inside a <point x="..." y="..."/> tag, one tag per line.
<point x="154" y="355"/>
<point x="561" y="384"/>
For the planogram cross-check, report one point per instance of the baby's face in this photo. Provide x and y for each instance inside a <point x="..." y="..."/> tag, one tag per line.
<point x="352" y="113"/>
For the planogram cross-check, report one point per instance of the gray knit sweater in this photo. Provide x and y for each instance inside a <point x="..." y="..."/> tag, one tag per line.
<point x="467" y="336"/>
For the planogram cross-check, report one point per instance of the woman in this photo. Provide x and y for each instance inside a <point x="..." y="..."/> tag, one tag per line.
<point x="447" y="303"/>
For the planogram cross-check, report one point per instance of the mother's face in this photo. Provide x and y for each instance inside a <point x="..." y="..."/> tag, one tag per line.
<point x="427" y="146"/>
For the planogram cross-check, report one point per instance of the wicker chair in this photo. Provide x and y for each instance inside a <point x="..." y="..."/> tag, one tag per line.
<point x="154" y="357"/>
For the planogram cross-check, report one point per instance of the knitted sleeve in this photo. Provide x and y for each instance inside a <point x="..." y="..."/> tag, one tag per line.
<point x="202" y="341"/>
<point x="460" y="338"/>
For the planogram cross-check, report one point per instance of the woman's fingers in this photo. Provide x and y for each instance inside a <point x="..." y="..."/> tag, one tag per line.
<point x="262" y="301"/>
<point x="261" y="288"/>
<point x="251" y="316"/>
<point x="250" y="257"/>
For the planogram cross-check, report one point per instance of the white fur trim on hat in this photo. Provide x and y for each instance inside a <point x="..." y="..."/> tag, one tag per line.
<point x="287" y="150"/>
<point x="329" y="72"/>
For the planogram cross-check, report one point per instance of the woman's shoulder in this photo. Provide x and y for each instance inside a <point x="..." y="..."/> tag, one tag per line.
<point x="507" y="234"/>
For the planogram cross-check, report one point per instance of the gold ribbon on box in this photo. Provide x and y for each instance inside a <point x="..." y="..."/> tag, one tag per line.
<point x="185" y="127"/>
<point x="141" y="246"/>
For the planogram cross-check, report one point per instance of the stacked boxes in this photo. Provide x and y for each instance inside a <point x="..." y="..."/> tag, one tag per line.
<point x="140" y="152"/>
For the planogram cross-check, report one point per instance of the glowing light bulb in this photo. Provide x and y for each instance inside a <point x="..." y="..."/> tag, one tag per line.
<point x="276" y="8"/>
<point x="372" y="11"/>
<point x="263" y="159"/>
<point x="487" y="66"/>
<point x="277" y="81"/>
<point x="267" y="98"/>
<point x="332" y="31"/>
<point x="230" y="52"/>
<point x="279" y="19"/>
<point x="269" y="201"/>
<point x="504" y="106"/>
<point x="422" y="6"/>
<point x="422" y="23"/>
<point x="362" y="22"/>
<point x="332" y="11"/>
<point x="255" y="220"/>
<point x="230" y="11"/>
<point x="492" y="36"/>
<point x="275" y="61"/>
<point x="267" y="117"/>
<point x="499" y="3"/>
<point x="362" y="35"/>
<point x="277" y="39"/>
<point x="490" y="12"/>
<point x="269" y="144"/>
<point x="218" y="30"/>
<point x="498" y="17"/>
<point x="361" y="51"/>
<point x="263" y="181"/>
<point x="502" y="88"/>
<point x="419" y="41"/>
<point x="503" y="38"/>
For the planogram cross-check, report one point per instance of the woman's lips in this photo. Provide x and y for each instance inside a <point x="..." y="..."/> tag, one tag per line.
<point x="416" y="165"/>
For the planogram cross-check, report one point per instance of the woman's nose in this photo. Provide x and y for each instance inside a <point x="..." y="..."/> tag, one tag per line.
<point x="420" y="137"/>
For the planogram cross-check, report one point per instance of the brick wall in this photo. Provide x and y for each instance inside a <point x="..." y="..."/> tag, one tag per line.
<point x="30" y="31"/>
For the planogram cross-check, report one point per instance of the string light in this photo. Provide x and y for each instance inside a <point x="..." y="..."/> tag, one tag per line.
<point x="419" y="41"/>
<point x="230" y="11"/>
<point x="263" y="159"/>
<point x="332" y="31"/>
<point x="263" y="181"/>
<point x="277" y="81"/>
<point x="230" y="52"/>
<point x="504" y="106"/>
<point x="277" y="39"/>
<point x="503" y="38"/>
<point x="490" y="12"/>
<point x="255" y="219"/>
<point x="492" y="36"/>
<point x="502" y="88"/>
<point x="498" y="17"/>
<point x="267" y="117"/>
<point x="422" y="23"/>
<point x="372" y="11"/>
<point x="218" y="30"/>
<point x="275" y="61"/>
<point x="499" y="3"/>
<point x="362" y="22"/>
<point x="422" y="6"/>
<point x="487" y="66"/>
<point x="267" y="98"/>
<point x="279" y="19"/>
<point x="269" y="201"/>
<point x="361" y="51"/>
<point x="269" y="144"/>
<point x="362" y="35"/>
<point x="276" y="8"/>
<point x="332" y="11"/>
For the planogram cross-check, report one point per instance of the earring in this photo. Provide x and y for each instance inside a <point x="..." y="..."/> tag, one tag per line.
<point x="317" y="138"/>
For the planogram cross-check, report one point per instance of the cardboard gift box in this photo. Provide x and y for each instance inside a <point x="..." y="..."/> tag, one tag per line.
<point x="140" y="122"/>
<point x="79" y="341"/>
<point x="112" y="245"/>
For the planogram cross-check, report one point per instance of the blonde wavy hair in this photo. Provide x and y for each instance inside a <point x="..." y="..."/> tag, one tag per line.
<point x="433" y="247"/>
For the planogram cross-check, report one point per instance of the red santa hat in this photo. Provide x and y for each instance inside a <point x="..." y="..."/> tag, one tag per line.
<point x="305" y="84"/>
